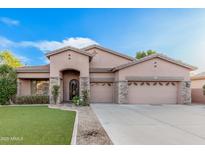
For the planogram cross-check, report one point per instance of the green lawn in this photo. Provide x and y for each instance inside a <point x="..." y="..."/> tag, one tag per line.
<point x="35" y="125"/>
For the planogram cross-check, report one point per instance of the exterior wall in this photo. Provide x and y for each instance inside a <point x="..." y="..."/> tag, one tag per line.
<point x="24" y="87"/>
<point x="197" y="91"/>
<point x="33" y="75"/>
<point x="156" y="68"/>
<point x="63" y="61"/>
<point x="102" y="75"/>
<point x="148" y="68"/>
<point x="67" y="77"/>
<point x="104" y="59"/>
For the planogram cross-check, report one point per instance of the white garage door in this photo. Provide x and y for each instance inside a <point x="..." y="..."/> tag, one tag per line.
<point x="152" y="92"/>
<point x="101" y="92"/>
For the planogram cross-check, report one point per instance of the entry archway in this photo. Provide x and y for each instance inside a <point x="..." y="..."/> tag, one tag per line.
<point x="70" y="87"/>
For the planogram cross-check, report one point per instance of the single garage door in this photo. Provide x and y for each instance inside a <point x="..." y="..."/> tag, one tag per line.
<point x="152" y="92"/>
<point x="101" y="92"/>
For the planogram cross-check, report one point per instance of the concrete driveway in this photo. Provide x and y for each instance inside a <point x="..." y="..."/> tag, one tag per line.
<point x="152" y="124"/>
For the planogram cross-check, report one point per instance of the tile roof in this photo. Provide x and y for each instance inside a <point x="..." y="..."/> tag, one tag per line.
<point x="42" y="68"/>
<point x="198" y="76"/>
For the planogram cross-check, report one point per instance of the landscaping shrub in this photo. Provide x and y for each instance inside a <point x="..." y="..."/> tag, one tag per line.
<point x="33" y="99"/>
<point x="204" y="89"/>
<point x="8" y="85"/>
<point x="77" y="101"/>
<point x="81" y="101"/>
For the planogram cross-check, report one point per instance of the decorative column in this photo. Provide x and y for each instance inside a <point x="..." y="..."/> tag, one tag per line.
<point x="121" y="92"/>
<point x="54" y="81"/>
<point x="84" y="85"/>
<point x="184" y="92"/>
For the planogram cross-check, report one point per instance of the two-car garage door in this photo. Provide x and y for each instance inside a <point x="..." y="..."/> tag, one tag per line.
<point x="152" y="92"/>
<point x="138" y="92"/>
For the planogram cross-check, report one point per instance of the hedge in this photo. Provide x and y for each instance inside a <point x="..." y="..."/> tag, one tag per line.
<point x="33" y="99"/>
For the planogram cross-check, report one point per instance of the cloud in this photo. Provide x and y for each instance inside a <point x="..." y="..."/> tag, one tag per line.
<point x="23" y="59"/>
<point x="45" y="45"/>
<point x="4" y="42"/>
<point x="78" y="42"/>
<point x="9" y="21"/>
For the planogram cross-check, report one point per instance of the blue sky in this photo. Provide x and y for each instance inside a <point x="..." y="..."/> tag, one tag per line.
<point x="178" y="33"/>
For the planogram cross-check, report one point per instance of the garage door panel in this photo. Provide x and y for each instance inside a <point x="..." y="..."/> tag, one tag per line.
<point x="102" y="92"/>
<point x="153" y="93"/>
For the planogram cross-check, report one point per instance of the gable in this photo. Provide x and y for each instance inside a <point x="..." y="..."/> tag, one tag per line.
<point x="69" y="60"/>
<point x="154" y="67"/>
<point x="104" y="59"/>
<point x="64" y="49"/>
<point x="160" y="56"/>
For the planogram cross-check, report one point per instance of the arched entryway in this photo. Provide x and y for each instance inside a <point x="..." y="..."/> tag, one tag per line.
<point x="70" y="87"/>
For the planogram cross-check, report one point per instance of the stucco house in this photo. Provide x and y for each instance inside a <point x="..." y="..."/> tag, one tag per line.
<point x="109" y="76"/>
<point x="197" y="83"/>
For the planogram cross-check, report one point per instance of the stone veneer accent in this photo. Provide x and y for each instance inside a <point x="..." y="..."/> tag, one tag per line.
<point x="84" y="85"/>
<point x="121" y="92"/>
<point x="54" y="81"/>
<point x="185" y="92"/>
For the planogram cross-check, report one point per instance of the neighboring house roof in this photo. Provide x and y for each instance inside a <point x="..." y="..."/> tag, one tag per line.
<point x="65" y="49"/>
<point x="29" y="69"/>
<point x="157" y="55"/>
<point x="107" y="50"/>
<point x="198" y="76"/>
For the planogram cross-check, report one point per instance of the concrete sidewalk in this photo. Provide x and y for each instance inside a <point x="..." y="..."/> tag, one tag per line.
<point x="148" y="124"/>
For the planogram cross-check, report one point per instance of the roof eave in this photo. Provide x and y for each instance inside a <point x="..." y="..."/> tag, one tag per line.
<point x="32" y="71"/>
<point x="57" y="51"/>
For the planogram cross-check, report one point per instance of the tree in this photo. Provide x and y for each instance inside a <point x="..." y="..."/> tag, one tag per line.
<point x="142" y="54"/>
<point x="6" y="57"/>
<point x="8" y="85"/>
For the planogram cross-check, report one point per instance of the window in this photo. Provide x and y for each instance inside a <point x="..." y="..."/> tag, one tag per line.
<point x="39" y="87"/>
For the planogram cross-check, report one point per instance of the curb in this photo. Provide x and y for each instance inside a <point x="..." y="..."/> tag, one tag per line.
<point x="75" y="127"/>
<point x="75" y="130"/>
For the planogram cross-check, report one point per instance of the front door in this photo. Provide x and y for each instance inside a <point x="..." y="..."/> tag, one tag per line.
<point x="73" y="88"/>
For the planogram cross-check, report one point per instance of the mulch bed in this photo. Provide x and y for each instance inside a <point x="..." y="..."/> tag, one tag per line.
<point x="90" y="131"/>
